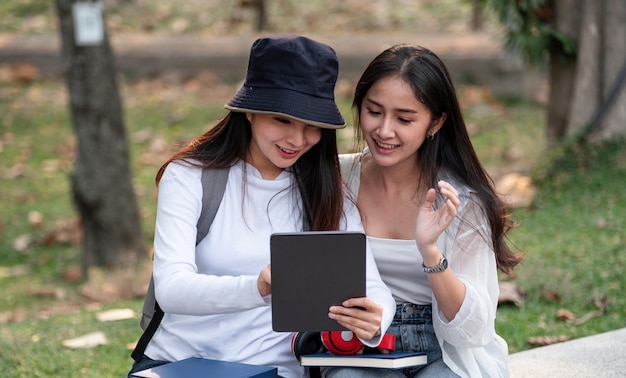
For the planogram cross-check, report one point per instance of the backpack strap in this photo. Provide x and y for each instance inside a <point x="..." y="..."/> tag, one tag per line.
<point x="213" y="187"/>
<point x="150" y="330"/>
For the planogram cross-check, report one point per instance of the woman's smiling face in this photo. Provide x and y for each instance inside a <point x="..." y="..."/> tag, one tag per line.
<point x="394" y="122"/>
<point x="278" y="142"/>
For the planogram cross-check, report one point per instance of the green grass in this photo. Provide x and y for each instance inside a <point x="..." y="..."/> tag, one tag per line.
<point x="573" y="241"/>
<point x="572" y="236"/>
<point x="34" y="348"/>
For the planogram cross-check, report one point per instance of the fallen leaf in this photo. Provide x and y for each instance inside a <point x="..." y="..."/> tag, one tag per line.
<point x="143" y="136"/>
<point x="48" y="292"/>
<point x="51" y="165"/>
<point x="73" y="274"/>
<point x="25" y="72"/>
<point x="565" y="315"/>
<point x="516" y="190"/>
<point x="22" y="242"/>
<point x="552" y="296"/>
<point x="35" y="218"/>
<point x="5" y="317"/>
<point x="16" y="315"/>
<point x="17" y="169"/>
<point x="12" y="271"/>
<point x="115" y="314"/>
<point x="546" y="340"/>
<point x="510" y="293"/>
<point x="90" y="340"/>
<point x="66" y="231"/>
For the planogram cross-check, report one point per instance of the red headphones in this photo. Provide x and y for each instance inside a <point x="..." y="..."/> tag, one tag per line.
<point x="337" y="342"/>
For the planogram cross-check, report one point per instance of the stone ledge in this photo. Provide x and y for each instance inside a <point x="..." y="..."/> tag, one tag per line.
<point x="598" y="356"/>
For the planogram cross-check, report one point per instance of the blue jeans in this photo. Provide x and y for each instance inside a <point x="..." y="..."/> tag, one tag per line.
<point x="413" y="328"/>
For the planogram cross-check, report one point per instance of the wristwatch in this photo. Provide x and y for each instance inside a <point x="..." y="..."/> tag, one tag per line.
<point x="443" y="265"/>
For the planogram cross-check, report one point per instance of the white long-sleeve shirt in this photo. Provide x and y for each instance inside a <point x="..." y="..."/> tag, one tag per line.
<point x="469" y="343"/>
<point x="209" y="292"/>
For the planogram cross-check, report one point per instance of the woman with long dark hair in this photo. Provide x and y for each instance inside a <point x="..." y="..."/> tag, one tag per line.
<point x="432" y="217"/>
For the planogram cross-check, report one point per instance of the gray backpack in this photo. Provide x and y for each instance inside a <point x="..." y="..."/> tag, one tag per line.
<point x="213" y="187"/>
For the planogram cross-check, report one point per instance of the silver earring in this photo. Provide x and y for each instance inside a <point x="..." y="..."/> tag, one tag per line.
<point x="430" y="136"/>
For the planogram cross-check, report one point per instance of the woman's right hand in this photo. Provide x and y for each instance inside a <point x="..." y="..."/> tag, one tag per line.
<point x="264" y="282"/>
<point x="360" y="315"/>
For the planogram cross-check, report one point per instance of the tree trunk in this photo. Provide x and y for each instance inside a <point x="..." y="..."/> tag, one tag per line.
<point x="478" y="16"/>
<point x="587" y="96"/>
<point x="102" y="180"/>
<point x="587" y="81"/>
<point x="614" y="122"/>
<point x="261" y="17"/>
<point x="562" y="71"/>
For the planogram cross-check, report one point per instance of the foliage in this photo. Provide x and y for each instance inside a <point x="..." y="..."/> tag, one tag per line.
<point x="529" y="30"/>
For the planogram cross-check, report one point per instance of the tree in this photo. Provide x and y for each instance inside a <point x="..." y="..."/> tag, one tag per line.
<point x="260" y="8"/>
<point x="101" y="183"/>
<point x="584" y="42"/>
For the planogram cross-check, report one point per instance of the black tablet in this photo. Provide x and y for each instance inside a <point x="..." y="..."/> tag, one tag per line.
<point x="312" y="271"/>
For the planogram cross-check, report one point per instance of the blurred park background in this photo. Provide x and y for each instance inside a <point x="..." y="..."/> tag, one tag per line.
<point x="85" y="127"/>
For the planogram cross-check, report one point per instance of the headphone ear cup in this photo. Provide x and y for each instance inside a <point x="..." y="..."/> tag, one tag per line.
<point x="306" y="343"/>
<point x="342" y="342"/>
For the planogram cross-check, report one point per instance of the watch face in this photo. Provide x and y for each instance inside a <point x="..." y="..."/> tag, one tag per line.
<point x="444" y="264"/>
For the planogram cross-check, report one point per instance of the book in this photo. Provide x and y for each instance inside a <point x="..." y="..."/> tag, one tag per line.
<point x="202" y="367"/>
<point x="393" y="360"/>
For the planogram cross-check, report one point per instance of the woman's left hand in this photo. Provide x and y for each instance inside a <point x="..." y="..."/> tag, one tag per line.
<point x="360" y="315"/>
<point x="431" y="223"/>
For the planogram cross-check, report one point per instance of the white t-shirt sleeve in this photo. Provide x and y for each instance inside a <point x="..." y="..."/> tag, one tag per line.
<point x="179" y="288"/>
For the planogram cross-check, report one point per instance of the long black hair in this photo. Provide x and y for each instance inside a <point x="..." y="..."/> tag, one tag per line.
<point x="317" y="173"/>
<point x="451" y="148"/>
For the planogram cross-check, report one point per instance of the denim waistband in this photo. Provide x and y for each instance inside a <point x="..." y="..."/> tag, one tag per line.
<point x="413" y="312"/>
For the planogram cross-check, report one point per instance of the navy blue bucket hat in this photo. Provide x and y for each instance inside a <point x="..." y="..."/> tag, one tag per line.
<point x="292" y="76"/>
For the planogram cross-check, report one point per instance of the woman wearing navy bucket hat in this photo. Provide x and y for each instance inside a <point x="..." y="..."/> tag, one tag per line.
<point x="278" y="144"/>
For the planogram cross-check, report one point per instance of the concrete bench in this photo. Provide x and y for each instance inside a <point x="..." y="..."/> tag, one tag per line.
<point x="601" y="356"/>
